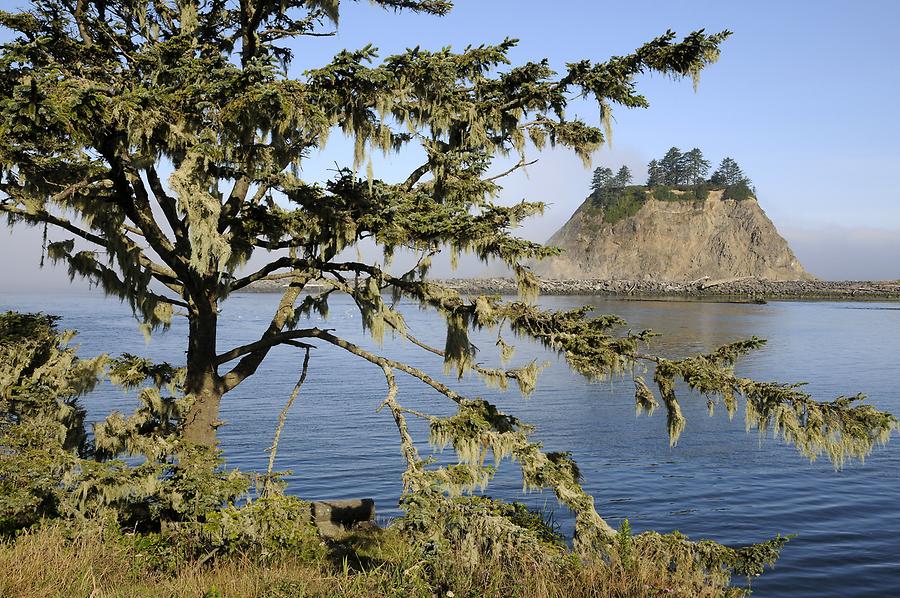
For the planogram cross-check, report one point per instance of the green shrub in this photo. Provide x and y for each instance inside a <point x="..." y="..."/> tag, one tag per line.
<point x="265" y="527"/>
<point x="739" y="192"/>
<point x="681" y="192"/>
<point x="618" y="204"/>
<point x="663" y="193"/>
<point x="50" y="469"/>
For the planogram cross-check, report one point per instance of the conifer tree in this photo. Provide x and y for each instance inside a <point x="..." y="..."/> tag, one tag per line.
<point x="695" y="167"/>
<point x="729" y="173"/>
<point x="655" y="176"/>
<point x="672" y="166"/>
<point x="602" y="179"/>
<point x="623" y="177"/>
<point x="102" y="97"/>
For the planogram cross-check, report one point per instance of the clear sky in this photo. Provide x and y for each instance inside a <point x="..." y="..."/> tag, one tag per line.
<point x="804" y="97"/>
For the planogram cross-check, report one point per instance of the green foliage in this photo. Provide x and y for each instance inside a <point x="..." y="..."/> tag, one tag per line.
<point x="739" y="192"/>
<point x="623" y="177"/>
<point x="264" y="528"/>
<point x="42" y="435"/>
<point x="681" y="193"/>
<point x="618" y="204"/>
<point x="478" y="529"/>
<point x="715" y="559"/>
<point x="729" y="173"/>
<point x="371" y="562"/>
<point x="694" y="167"/>
<point x="50" y="468"/>
<point x="603" y="179"/>
<point x="665" y="193"/>
<point x="625" y="545"/>
<point x="687" y="172"/>
<point x="672" y="167"/>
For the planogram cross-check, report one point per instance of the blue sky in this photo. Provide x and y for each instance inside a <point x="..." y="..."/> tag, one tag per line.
<point x="804" y="98"/>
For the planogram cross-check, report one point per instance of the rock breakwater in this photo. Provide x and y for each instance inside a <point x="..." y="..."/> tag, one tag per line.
<point x="744" y="288"/>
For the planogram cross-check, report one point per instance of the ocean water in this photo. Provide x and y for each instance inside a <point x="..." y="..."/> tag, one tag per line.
<point x="719" y="482"/>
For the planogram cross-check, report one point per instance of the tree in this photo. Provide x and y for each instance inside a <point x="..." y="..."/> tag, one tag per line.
<point x="729" y="173"/>
<point x="102" y="98"/>
<point x="623" y="177"/>
<point x="93" y="120"/>
<point x="655" y="175"/>
<point x="602" y="179"/>
<point x="672" y="166"/>
<point x="695" y="167"/>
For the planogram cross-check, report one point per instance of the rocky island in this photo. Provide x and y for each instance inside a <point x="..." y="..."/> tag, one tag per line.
<point x="673" y="240"/>
<point x="679" y="227"/>
<point x="680" y="236"/>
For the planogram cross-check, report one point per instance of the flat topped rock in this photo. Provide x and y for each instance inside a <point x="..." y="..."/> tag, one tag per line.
<point x="672" y="240"/>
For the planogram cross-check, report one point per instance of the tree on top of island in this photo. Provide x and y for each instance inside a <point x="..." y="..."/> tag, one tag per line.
<point x="677" y="176"/>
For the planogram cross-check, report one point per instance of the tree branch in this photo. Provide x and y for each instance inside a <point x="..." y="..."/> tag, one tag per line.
<point x="275" y="34"/>
<point x="232" y="205"/>
<point x="282" y="418"/>
<point x="407" y="445"/>
<point x="160" y="273"/>
<point x="270" y="341"/>
<point x="282" y="262"/>
<point x="414" y="177"/>
<point x="248" y="365"/>
<point x="166" y="202"/>
<point x="135" y="203"/>
<point x="521" y="164"/>
<point x="79" y="20"/>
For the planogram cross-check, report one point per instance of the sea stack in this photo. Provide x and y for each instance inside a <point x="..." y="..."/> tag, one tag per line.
<point x="670" y="235"/>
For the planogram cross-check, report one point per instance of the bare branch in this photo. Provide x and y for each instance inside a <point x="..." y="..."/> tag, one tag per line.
<point x="282" y="418"/>
<point x="276" y="34"/>
<point x="266" y="342"/>
<point x="232" y="205"/>
<point x="385" y="362"/>
<point x="407" y="445"/>
<point x="80" y="6"/>
<point x="282" y="262"/>
<point x="521" y="164"/>
<point x="260" y="193"/>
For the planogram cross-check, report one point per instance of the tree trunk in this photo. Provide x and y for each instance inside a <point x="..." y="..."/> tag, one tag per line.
<point x="203" y="383"/>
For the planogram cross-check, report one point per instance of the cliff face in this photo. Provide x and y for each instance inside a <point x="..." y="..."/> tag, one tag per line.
<point x="673" y="241"/>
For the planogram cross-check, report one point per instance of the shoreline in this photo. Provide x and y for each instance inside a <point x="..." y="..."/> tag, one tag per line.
<point x="742" y="290"/>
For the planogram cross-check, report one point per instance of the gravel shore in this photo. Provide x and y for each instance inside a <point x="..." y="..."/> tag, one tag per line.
<point x="744" y="289"/>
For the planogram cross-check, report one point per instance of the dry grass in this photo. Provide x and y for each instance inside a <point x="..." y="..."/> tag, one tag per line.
<point x="47" y="563"/>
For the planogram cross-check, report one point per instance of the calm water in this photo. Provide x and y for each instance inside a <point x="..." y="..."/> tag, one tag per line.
<point x="719" y="482"/>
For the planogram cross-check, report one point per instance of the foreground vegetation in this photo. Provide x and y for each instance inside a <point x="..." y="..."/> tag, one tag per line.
<point x="55" y="561"/>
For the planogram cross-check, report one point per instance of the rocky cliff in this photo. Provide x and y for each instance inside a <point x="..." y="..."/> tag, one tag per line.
<point x="673" y="241"/>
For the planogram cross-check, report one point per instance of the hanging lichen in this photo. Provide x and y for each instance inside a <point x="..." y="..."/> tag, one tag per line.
<point x="644" y="400"/>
